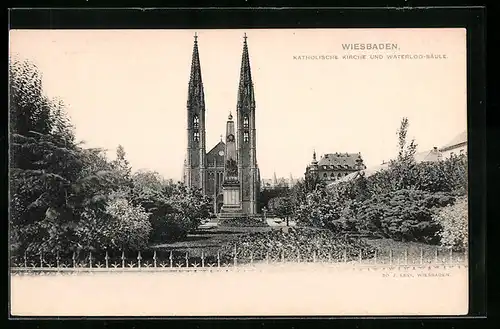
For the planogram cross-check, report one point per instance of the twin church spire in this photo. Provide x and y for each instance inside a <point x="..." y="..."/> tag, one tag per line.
<point x="196" y="96"/>
<point x="245" y="89"/>
<point x="244" y="170"/>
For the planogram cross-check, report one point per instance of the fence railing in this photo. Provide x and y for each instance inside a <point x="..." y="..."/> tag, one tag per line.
<point x="158" y="260"/>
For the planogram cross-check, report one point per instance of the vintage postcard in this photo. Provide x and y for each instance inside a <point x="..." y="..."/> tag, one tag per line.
<point x="257" y="172"/>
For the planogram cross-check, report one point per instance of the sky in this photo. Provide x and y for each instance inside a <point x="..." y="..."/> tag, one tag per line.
<point x="129" y="88"/>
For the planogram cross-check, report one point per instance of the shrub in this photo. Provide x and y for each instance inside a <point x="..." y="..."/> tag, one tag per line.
<point x="297" y="241"/>
<point x="454" y="222"/>
<point x="123" y="226"/>
<point x="245" y="221"/>
<point x="404" y="215"/>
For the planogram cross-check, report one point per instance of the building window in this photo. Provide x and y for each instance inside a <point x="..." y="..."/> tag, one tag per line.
<point x="245" y="122"/>
<point x="324" y="175"/>
<point x="245" y="136"/>
<point x="196" y="122"/>
<point x="196" y="136"/>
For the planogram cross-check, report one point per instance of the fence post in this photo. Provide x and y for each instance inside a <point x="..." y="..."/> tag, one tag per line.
<point x="235" y="256"/>
<point x="451" y="255"/>
<point x="329" y="257"/>
<point x="202" y="259"/>
<point x="360" y="258"/>
<point x="298" y="256"/>
<point x="282" y="256"/>
<point x="267" y="257"/>
<point x="123" y="259"/>
<point x="187" y="259"/>
<point x="25" y="259"/>
<point x="390" y="257"/>
<point x="41" y="258"/>
<point x="345" y="256"/>
<point x="154" y="258"/>
<point x="74" y="259"/>
<point x="171" y="258"/>
<point x="106" y="259"/>
<point x="90" y="259"/>
<point x="218" y="258"/>
<point x="251" y="257"/>
<point x="139" y="260"/>
<point x="57" y="259"/>
<point x="436" y="256"/>
<point x="421" y="255"/>
<point x="406" y="256"/>
<point x="375" y="257"/>
<point x="314" y="256"/>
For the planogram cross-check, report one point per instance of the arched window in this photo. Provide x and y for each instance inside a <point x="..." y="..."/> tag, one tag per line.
<point x="324" y="175"/>
<point x="196" y="122"/>
<point x="245" y="122"/>
<point x="338" y="175"/>
<point x="245" y="137"/>
<point x="196" y="136"/>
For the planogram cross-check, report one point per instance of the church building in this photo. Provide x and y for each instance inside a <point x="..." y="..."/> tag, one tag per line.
<point x="228" y="173"/>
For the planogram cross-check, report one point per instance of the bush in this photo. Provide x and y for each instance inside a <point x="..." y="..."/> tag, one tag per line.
<point x="170" y="227"/>
<point x="454" y="222"/>
<point x="123" y="226"/>
<point x="404" y="215"/>
<point x="297" y="241"/>
<point x="245" y="221"/>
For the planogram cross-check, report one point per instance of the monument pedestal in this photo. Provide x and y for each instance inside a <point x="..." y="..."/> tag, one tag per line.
<point x="231" y="195"/>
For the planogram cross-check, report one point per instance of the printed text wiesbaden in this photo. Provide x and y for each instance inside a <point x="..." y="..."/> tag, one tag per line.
<point x="370" y="46"/>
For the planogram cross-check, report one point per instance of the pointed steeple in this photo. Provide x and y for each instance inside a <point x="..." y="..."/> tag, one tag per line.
<point x="196" y="97"/>
<point x="245" y="90"/>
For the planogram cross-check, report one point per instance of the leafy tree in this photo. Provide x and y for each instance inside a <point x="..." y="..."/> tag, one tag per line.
<point x="454" y="223"/>
<point x="282" y="207"/>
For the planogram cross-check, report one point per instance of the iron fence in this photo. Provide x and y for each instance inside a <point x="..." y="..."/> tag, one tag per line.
<point x="158" y="260"/>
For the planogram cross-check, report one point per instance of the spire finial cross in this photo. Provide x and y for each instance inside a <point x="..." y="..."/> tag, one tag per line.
<point x="245" y="36"/>
<point x="195" y="36"/>
<point x="221" y="137"/>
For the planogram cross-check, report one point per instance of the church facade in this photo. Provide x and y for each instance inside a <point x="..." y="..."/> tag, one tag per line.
<point x="228" y="173"/>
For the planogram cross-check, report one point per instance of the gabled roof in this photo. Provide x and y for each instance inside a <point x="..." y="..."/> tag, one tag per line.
<point x="340" y="160"/>
<point x="213" y="155"/>
<point x="428" y="156"/>
<point x="460" y="139"/>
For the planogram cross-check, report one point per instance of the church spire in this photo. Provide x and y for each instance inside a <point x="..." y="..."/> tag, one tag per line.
<point x="196" y="95"/>
<point x="245" y="90"/>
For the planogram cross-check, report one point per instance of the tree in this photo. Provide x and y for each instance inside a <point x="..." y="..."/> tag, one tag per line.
<point x="282" y="207"/>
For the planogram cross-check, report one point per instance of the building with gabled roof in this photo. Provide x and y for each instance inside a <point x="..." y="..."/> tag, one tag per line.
<point x="334" y="166"/>
<point x="458" y="145"/>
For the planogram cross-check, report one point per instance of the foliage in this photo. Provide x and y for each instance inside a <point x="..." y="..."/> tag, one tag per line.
<point x="267" y="194"/>
<point x="297" y="242"/>
<point x="403" y="215"/>
<point x="454" y="222"/>
<point x="244" y="221"/>
<point x="281" y="207"/>
<point x="67" y="197"/>
<point x="324" y="209"/>
<point x="175" y="209"/>
<point x="397" y="202"/>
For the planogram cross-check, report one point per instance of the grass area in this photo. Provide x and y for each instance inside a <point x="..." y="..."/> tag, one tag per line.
<point x="413" y="252"/>
<point x="209" y="240"/>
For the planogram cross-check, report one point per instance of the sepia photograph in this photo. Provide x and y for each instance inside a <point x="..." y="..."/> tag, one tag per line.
<point x="238" y="172"/>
